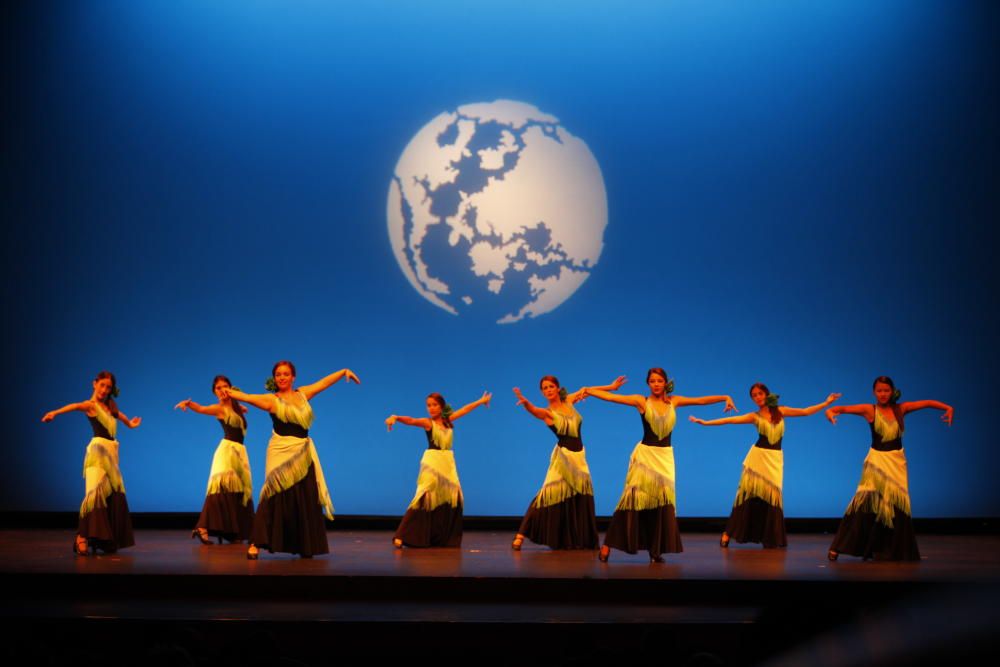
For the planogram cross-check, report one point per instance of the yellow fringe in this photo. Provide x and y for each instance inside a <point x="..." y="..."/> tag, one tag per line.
<point x="646" y="489"/>
<point x="229" y="481"/>
<point x="98" y="457"/>
<point x="290" y="473"/>
<point x="442" y="491"/>
<point x="884" y="500"/>
<point x="287" y="475"/>
<point x="572" y="482"/>
<point x="754" y="485"/>
<point x="97" y="497"/>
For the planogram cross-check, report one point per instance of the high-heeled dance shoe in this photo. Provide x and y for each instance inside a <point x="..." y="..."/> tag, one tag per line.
<point x="724" y="541"/>
<point x="516" y="544"/>
<point x="80" y="546"/>
<point x="201" y="534"/>
<point x="657" y="559"/>
<point x="252" y="552"/>
<point x="398" y="543"/>
<point x="604" y="554"/>
<point x="831" y="555"/>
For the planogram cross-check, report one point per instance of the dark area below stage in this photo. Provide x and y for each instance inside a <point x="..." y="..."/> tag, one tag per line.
<point x="174" y="601"/>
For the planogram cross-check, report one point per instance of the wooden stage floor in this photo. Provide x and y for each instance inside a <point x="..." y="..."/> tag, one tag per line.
<point x="737" y="604"/>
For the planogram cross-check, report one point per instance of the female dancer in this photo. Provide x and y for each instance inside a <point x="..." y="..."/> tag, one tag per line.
<point x="877" y="523"/>
<point x="646" y="515"/>
<point x="289" y="517"/>
<point x="105" y="522"/>
<point x="434" y="517"/>
<point x="757" y="514"/>
<point x="562" y="514"/>
<point x="228" y="509"/>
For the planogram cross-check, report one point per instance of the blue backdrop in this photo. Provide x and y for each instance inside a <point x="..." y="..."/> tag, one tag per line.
<point x="800" y="193"/>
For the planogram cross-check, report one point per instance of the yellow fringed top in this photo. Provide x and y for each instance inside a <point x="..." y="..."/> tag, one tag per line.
<point x="292" y="414"/>
<point x="773" y="432"/>
<point x="662" y="425"/>
<point x="888" y="430"/>
<point x="104" y="417"/>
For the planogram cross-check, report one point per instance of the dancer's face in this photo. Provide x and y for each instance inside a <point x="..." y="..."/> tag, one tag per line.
<point x="102" y="388"/>
<point x="657" y="384"/>
<point x="550" y="390"/>
<point x="758" y="396"/>
<point x="219" y="388"/>
<point x="283" y="377"/>
<point x="883" y="392"/>
<point x="433" y="408"/>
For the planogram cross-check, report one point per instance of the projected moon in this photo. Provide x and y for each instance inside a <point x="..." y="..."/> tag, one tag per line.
<point x="497" y="211"/>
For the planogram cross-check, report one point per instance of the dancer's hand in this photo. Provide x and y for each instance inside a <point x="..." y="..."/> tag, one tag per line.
<point x="692" y="418"/>
<point x="49" y="416"/>
<point x="351" y="377"/>
<point x="390" y="421"/>
<point x="135" y="421"/>
<point x="521" y="400"/>
<point x="831" y="398"/>
<point x="832" y="416"/>
<point x="948" y="415"/>
<point x="619" y="381"/>
<point x="183" y="405"/>
<point x="485" y="400"/>
<point x="730" y="406"/>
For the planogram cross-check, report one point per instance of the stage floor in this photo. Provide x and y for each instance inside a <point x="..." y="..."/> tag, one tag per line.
<point x="735" y="604"/>
<point x="488" y="554"/>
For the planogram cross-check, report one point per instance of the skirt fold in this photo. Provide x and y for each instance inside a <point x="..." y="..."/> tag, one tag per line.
<point x="291" y="521"/>
<point x="224" y="515"/>
<point x="755" y="520"/>
<point x="570" y="524"/>
<point x="108" y="526"/>
<point x="439" y="527"/>
<point x="654" y="530"/>
<point x="864" y="534"/>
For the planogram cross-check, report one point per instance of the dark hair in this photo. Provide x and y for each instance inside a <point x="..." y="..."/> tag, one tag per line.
<point x="550" y="378"/>
<point x="668" y="386"/>
<point x="773" y="409"/>
<point x="237" y="408"/>
<point x="439" y="399"/>
<point x="555" y="381"/>
<point x="283" y="362"/>
<point x="896" y="410"/>
<point x="109" y="399"/>
<point x="656" y="370"/>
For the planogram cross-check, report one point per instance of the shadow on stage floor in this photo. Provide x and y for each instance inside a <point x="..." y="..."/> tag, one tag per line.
<point x="170" y="600"/>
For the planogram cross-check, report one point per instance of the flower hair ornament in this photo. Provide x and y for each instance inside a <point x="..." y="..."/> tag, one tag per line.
<point x="896" y="393"/>
<point x="562" y="393"/>
<point x="115" y="391"/>
<point x="446" y="411"/>
<point x="668" y="388"/>
<point x="271" y="385"/>
<point x="772" y="400"/>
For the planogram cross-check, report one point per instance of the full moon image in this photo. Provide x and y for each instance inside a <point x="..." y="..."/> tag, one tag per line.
<point x="496" y="211"/>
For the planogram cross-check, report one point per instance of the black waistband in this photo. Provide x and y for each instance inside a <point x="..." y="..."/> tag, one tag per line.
<point x="888" y="445"/>
<point x="293" y="430"/>
<point x="662" y="442"/>
<point x="764" y="443"/>
<point x="570" y="443"/>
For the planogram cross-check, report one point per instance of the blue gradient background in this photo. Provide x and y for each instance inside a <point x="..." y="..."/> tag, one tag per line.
<point x="801" y="193"/>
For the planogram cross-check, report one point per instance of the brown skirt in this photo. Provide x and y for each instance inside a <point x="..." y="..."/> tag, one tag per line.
<point x="439" y="527"/>
<point x="108" y="528"/>
<point x="654" y="530"/>
<point x="292" y="521"/>
<point x="224" y="515"/>
<point x="571" y="524"/>
<point x="862" y="534"/>
<point x="755" y="520"/>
